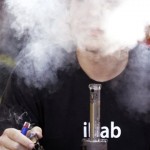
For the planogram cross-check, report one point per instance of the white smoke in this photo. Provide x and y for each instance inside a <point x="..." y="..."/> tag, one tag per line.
<point x="55" y="26"/>
<point x="47" y="26"/>
<point x="133" y="88"/>
<point x="44" y="21"/>
<point x="120" y="24"/>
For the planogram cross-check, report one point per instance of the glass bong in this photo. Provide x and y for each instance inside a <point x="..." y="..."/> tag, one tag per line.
<point x="94" y="142"/>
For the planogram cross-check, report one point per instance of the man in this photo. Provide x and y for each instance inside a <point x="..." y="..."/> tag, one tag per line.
<point x="59" y="116"/>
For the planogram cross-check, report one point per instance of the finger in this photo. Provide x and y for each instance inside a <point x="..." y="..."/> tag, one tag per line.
<point x="38" y="131"/>
<point x="32" y="136"/>
<point x="16" y="136"/>
<point x="8" y="144"/>
<point x="3" y="148"/>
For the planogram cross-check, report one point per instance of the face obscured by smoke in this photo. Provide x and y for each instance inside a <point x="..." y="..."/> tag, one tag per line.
<point x="109" y="25"/>
<point x="88" y="20"/>
<point x="54" y="28"/>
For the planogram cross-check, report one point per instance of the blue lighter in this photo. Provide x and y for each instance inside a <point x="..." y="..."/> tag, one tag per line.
<point x="25" y="128"/>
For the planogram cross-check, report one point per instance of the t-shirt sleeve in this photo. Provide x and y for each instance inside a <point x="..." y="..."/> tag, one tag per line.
<point x="19" y="103"/>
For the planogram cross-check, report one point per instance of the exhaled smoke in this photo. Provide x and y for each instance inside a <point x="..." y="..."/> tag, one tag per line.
<point x="109" y="25"/>
<point x="53" y="28"/>
<point x="49" y="38"/>
<point x="133" y="92"/>
<point x="12" y="117"/>
<point x="8" y="44"/>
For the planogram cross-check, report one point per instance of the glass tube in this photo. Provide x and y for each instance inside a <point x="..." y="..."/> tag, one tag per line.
<point x="95" y="111"/>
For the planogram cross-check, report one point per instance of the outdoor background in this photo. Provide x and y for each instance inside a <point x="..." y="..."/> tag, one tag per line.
<point x="9" y="49"/>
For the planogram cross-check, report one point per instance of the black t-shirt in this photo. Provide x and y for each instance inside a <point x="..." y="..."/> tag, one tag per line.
<point x="63" y="114"/>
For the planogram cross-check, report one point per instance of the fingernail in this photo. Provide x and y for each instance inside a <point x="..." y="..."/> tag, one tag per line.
<point x="31" y="146"/>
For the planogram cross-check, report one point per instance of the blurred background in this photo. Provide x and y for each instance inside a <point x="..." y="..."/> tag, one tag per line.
<point x="9" y="48"/>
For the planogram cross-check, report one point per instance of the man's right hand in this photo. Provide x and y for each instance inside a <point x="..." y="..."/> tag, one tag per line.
<point x="13" y="139"/>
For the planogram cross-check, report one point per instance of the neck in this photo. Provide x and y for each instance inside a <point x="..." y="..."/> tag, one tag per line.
<point x="102" y="67"/>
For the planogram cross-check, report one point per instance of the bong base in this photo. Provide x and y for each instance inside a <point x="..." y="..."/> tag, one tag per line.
<point x="94" y="145"/>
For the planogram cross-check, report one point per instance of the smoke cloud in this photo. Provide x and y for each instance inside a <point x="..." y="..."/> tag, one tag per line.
<point x="132" y="91"/>
<point x="119" y="24"/>
<point x="49" y="42"/>
<point x="8" y="44"/>
<point x="55" y="28"/>
<point x="10" y="118"/>
<point x="138" y="87"/>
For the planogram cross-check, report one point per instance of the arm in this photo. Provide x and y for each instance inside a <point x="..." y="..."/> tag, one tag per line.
<point x="18" y="99"/>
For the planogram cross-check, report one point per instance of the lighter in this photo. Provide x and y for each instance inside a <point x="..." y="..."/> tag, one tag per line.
<point x="32" y="136"/>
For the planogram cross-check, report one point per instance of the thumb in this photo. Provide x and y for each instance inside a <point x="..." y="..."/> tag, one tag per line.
<point x="35" y="134"/>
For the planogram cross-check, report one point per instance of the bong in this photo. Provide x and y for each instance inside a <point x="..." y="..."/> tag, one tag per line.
<point x="94" y="142"/>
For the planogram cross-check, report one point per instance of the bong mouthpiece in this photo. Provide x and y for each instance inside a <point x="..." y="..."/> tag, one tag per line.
<point x="94" y="111"/>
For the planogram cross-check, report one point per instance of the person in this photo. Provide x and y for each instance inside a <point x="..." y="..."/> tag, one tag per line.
<point x="59" y="117"/>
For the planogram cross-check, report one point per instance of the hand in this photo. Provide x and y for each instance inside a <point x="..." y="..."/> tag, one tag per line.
<point x="13" y="139"/>
<point x="34" y="134"/>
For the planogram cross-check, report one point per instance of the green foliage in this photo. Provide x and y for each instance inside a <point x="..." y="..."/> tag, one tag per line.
<point x="7" y="60"/>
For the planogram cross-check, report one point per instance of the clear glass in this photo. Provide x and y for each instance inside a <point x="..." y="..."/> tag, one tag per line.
<point x="95" y="111"/>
